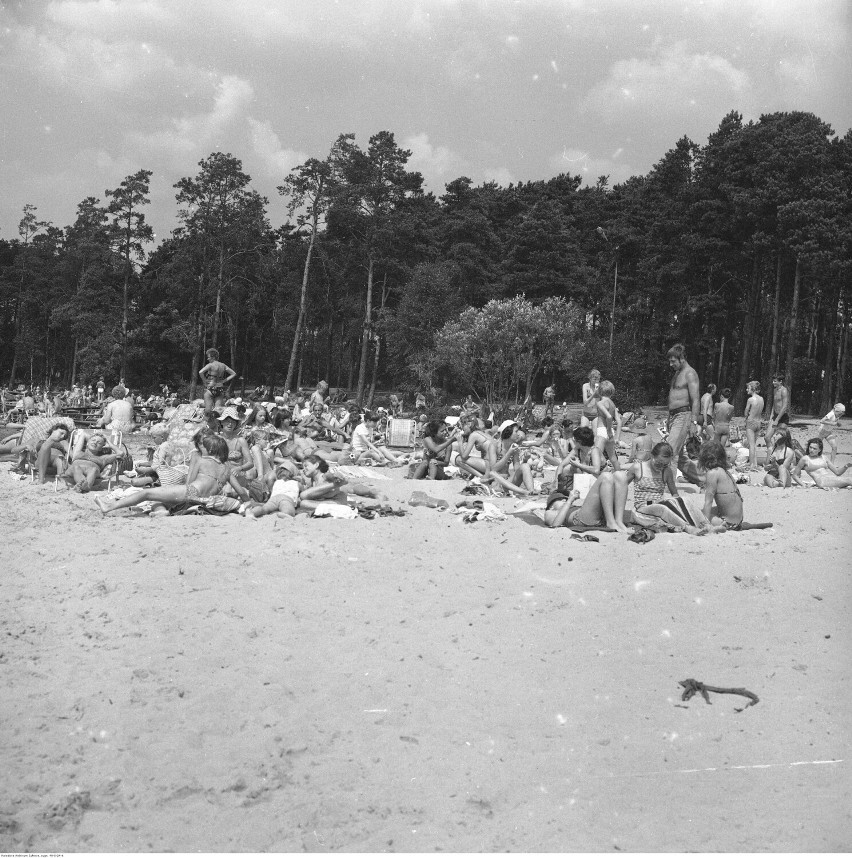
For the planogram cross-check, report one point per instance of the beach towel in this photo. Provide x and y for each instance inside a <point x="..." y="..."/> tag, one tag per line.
<point x="358" y="472"/>
<point x="334" y="510"/>
<point x="536" y="519"/>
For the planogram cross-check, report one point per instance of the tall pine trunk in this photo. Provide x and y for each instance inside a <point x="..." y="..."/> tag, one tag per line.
<point x="772" y="369"/>
<point x="294" y="350"/>
<point x="365" y="337"/>
<point x="831" y="312"/>
<point x="794" y="329"/>
<point x="749" y="324"/>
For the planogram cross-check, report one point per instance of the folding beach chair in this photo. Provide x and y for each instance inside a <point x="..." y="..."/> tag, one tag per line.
<point x="401" y="432"/>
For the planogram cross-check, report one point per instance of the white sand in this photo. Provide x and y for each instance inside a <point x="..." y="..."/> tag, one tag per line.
<point x="421" y="684"/>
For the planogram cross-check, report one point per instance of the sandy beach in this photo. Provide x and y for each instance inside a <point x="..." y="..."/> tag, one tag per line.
<point x="422" y="684"/>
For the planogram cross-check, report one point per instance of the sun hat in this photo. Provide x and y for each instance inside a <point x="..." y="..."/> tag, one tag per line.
<point x="229" y="412"/>
<point x="840" y="407"/>
<point x="506" y="424"/>
<point x="286" y="464"/>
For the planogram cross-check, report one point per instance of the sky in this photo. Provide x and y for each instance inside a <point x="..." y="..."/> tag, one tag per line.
<point x="91" y="91"/>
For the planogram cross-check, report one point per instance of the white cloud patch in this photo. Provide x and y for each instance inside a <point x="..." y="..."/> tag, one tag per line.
<point x="667" y="86"/>
<point x="275" y="158"/>
<point x="438" y="164"/>
<point x="188" y="134"/>
<point x="589" y="165"/>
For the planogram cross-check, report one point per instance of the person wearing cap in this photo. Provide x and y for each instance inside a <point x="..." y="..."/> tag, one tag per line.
<point x="502" y="452"/>
<point x="828" y="428"/>
<point x="239" y="455"/>
<point x="284" y="487"/>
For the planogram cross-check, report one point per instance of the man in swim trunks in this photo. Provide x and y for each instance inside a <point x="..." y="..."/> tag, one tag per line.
<point x="549" y="400"/>
<point x="780" y="417"/>
<point x="684" y="402"/>
<point x="216" y="377"/>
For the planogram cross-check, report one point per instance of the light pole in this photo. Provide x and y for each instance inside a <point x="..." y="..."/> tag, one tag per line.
<point x="600" y="231"/>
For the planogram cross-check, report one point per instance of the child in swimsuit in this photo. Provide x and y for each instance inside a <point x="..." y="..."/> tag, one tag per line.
<point x="607" y="414"/>
<point x="722" y="417"/>
<point x="752" y="414"/>
<point x="828" y="427"/>
<point x="208" y="476"/>
<point x="723" y="504"/>
<point x="284" y="494"/>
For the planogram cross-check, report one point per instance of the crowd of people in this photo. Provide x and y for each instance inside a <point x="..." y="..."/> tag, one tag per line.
<point x="297" y="452"/>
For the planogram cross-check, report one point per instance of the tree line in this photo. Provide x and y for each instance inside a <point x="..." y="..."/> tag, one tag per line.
<point x="739" y="247"/>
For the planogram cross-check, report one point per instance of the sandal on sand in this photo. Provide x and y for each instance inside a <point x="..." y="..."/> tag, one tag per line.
<point x="584" y="537"/>
<point x="641" y="534"/>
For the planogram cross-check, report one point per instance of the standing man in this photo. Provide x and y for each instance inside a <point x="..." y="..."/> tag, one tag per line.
<point x="780" y="416"/>
<point x="684" y="402"/>
<point x="549" y="400"/>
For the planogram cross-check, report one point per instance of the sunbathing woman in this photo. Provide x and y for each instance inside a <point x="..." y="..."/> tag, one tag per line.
<point x="500" y="453"/>
<point x="239" y="454"/>
<point x="585" y="458"/>
<point x="209" y="474"/>
<point x="723" y="503"/>
<point x="652" y="478"/>
<point x="779" y="462"/>
<point x="598" y="510"/>
<point x="436" y="451"/>
<point x="470" y="439"/>
<point x="321" y="486"/>
<point x="821" y="470"/>
<point x="51" y="452"/>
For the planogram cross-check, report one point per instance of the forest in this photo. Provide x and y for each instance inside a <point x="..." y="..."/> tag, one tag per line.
<point x="738" y="247"/>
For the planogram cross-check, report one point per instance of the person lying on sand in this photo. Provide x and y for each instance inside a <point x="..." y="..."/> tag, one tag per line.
<point x="284" y="487"/>
<point x="209" y="474"/>
<point x="824" y="473"/>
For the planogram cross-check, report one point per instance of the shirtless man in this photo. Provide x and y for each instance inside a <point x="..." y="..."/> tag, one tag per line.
<point x="684" y="402"/>
<point x="216" y="376"/>
<point x="780" y="416"/>
<point x="87" y="467"/>
<point x="549" y="400"/>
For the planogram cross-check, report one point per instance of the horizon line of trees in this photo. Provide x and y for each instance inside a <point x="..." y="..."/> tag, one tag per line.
<point x="740" y="248"/>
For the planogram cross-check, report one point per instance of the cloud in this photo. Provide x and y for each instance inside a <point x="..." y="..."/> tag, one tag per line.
<point x="276" y="159"/>
<point x="191" y="133"/>
<point x="667" y="87"/>
<point x="589" y="166"/>
<point x="438" y="164"/>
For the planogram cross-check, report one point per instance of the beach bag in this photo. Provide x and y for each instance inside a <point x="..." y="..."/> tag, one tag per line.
<point x="172" y="475"/>
<point x="125" y="460"/>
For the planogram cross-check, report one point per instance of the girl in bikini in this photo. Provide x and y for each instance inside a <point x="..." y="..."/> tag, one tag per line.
<point x="503" y="451"/>
<point x="208" y="476"/>
<point x="823" y="472"/>
<point x="471" y="438"/>
<point x="436" y="451"/>
<point x="779" y="463"/>
<point x="752" y="414"/>
<point x="723" y="503"/>
<point x="590" y="400"/>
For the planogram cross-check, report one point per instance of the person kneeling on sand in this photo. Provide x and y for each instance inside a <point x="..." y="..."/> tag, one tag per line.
<point x="208" y="476"/>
